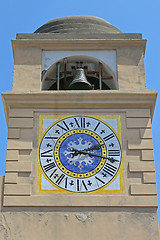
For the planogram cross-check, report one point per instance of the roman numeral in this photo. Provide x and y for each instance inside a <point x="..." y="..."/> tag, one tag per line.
<point x="49" y="166"/>
<point x="66" y="182"/>
<point x="66" y="128"/>
<point x="77" y="123"/>
<point x="108" y="168"/>
<point x="97" y="126"/>
<point x="81" y="123"/>
<point x="108" y="137"/>
<point x="59" y="180"/>
<point x="113" y="152"/>
<point x="100" y="180"/>
<point x="84" y="185"/>
<point x="45" y="154"/>
<point x="51" y="137"/>
<point x="53" y="173"/>
<point x="78" y="185"/>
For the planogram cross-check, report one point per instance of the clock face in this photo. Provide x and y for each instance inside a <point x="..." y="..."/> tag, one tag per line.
<point x="80" y="154"/>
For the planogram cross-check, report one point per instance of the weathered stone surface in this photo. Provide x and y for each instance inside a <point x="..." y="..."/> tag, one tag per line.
<point x="18" y="166"/>
<point x="60" y="36"/>
<point x="22" y="73"/>
<point x="17" y="144"/>
<point x="143" y="189"/>
<point x="138" y="113"/>
<point x="83" y="200"/>
<point x="146" y="133"/>
<point x="20" y="122"/>
<point x="17" y="189"/>
<point x="13" y="133"/>
<point x="12" y="155"/>
<point x="11" y="178"/>
<point x="149" y="177"/>
<point x="147" y="155"/>
<point x="21" y="113"/>
<point x="140" y="144"/>
<point x="79" y="224"/>
<point x="133" y="133"/>
<point x="139" y="166"/>
<point x="138" y="122"/>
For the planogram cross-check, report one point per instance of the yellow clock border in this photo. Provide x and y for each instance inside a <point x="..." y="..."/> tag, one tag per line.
<point x="80" y="175"/>
<point x="62" y="191"/>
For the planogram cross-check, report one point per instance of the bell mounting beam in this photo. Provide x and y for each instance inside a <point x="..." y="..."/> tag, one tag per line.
<point x="100" y="76"/>
<point x="65" y="72"/>
<point x="57" y="73"/>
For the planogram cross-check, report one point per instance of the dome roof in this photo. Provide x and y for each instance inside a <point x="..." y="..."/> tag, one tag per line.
<point x="79" y="25"/>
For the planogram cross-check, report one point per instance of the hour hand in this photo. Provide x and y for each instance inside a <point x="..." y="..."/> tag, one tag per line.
<point x="112" y="160"/>
<point x="96" y="147"/>
<point x="74" y="152"/>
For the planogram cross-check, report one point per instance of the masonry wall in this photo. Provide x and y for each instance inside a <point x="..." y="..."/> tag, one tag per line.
<point x="22" y="157"/>
<point x="130" y="67"/>
<point x="28" y="65"/>
<point x="90" y="217"/>
<point x="27" y="69"/>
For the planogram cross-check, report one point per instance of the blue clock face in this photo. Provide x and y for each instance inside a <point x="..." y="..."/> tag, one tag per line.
<point x="71" y="157"/>
<point x="80" y="154"/>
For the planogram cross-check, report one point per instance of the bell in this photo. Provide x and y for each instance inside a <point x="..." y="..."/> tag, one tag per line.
<point x="79" y="81"/>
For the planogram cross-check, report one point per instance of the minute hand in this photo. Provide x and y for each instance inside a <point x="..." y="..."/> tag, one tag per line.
<point x="93" y="154"/>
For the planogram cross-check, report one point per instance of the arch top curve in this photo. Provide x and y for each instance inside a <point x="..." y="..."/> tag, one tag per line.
<point x="72" y="60"/>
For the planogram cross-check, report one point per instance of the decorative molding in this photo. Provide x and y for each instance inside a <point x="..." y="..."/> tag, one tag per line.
<point x="73" y="44"/>
<point x="80" y="99"/>
<point x="59" y="200"/>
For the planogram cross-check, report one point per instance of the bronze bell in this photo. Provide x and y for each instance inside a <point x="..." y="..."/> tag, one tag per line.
<point x="79" y="81"/>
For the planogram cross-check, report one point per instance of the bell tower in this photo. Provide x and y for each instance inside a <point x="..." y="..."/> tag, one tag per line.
<point x="80" y="158"/>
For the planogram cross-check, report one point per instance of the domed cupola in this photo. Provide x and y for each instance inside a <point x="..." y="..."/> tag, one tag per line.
<point x="79" y="25"/>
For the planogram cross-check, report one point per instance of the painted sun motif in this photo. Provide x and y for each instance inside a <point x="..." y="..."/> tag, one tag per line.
<point x="78" y="159"/>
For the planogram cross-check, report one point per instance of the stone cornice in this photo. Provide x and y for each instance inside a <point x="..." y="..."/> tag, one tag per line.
<point x="80" y="100"/>
<point x="78" y="36"/>
<point x="78" y="44"/>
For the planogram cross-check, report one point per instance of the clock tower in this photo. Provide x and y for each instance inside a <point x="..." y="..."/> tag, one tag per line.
<point x="79" y="159"/>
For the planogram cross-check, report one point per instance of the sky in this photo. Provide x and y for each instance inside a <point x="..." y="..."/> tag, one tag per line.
<point x="138" y="16"/>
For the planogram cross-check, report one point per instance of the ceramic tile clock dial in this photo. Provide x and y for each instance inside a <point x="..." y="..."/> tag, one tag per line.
<point x="79" y="154"/>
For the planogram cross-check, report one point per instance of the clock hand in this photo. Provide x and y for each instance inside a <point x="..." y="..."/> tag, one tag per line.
<point x="74" y="153"/>
<point x="112" y="160"/>
<point x="96" y="146"/>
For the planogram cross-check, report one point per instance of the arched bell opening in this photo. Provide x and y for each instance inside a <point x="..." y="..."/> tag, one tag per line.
<point x="79" y="73"/>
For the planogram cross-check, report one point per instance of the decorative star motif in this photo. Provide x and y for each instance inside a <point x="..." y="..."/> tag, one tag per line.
<point x="104" y="174"/>
<point x="111" y="145"/>
<point x="49" y="145"/>
<point x="57" y="131"/>
<point x="56" y="175"/>
<point x="71" y="124"/>
<point x="71" y="183"/>
<point x="89" y="183"/>
<point x="102" y="131"/>
<point x="48" y="160"/>
<point x="88" y="124"/>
